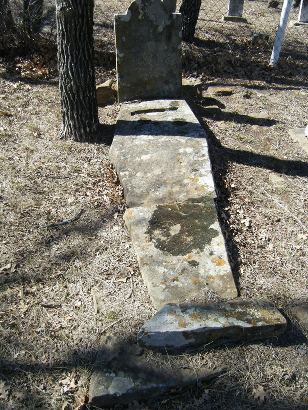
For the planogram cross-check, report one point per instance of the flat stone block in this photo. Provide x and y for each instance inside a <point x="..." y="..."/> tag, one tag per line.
<point x="177" y="327"/>
<point x="124" y="375"/>
<point x="181" y="251"/>
<point x="235" y="19"/>
<point x="160" y="153"/>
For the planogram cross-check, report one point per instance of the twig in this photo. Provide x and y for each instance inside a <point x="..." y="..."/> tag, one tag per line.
<point x="111" y="325"/>
<point x="66" y="221"/>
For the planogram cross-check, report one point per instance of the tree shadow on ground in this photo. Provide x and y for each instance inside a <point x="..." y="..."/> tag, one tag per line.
<point x="283" y="166"/>
<point x="243" y="59"/>
<point x="216" y="387"/>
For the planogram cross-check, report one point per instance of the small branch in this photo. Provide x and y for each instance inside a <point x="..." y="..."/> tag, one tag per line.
<point x="112" y="324"/>
<point x="66" y="221"/>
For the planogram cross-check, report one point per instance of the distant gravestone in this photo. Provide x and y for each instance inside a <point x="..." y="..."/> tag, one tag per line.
<point x="148" y="41"/>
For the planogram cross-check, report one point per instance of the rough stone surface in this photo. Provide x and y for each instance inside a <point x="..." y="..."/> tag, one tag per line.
<point x="299" y="313"/>
<point x="220" y="91"/>
<point x="191" y="87"/>
<point x="177" y="327"/>
<point x="122" y="374"/>
<point x="148" y="42"/>
<point x="181" y="251"/>
<point x="298" y="135"/>
<point x="106" y="93"/>
<point x="161" y="156"/>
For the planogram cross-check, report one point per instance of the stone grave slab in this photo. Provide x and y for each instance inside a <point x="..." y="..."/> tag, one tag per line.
<point x="178" y="327"/>
<point x="161" y="156"/>
<point x="148" y="50"/>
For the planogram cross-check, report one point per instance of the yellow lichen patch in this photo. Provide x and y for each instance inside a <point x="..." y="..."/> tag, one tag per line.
<point x="197" y="316"/>
<point x="182" y="322"/>
<point x="196" y="281"/>
<point x="218" y="261"/>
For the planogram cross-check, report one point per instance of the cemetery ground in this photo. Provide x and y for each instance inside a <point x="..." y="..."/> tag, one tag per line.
<point x="68" y="275"/>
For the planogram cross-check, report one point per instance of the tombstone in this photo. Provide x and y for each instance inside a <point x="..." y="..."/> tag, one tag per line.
<point x="148" y="42"/>
<point x="235" y="11"/>
<point x="303" y="12"/>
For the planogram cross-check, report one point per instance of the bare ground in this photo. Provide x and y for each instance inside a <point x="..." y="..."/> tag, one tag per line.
<point x="64" y="288"/>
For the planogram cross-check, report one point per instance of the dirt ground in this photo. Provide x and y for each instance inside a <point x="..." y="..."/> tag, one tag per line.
<point x="68" y="273"/>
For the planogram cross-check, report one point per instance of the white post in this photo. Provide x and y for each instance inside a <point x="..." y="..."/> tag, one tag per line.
<point x="303" y="12"/>
<point x="286" y="8"/>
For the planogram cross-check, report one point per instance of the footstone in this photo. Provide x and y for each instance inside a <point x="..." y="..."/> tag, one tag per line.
<point x="161" y="156"/>
<point x="178" y="327"/>
<point x="148" y="43"/>
<point x="124" y="375"/>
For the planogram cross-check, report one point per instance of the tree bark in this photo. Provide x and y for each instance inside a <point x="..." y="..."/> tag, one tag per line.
<point x="190" y="12"/>
<point x="76" y="70"/>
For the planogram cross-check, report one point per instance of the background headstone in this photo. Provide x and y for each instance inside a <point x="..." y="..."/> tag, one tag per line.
<point x="148" y="41"/>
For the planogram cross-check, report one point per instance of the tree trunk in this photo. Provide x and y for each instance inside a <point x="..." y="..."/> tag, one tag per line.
<point x="6" y="19"/>
<point x="76" y="70"/>
<point x="190" y="12"/>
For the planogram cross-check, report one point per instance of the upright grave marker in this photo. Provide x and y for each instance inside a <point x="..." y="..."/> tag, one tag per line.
<point x="235" y="11"/>
<point x="303" y="12"/>
<point x="148" y="42"/>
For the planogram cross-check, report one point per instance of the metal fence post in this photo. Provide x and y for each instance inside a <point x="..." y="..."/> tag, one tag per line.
<point x="286" y="8"/>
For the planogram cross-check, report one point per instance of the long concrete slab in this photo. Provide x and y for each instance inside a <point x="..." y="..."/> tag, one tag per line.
<point x="160" y="153"/>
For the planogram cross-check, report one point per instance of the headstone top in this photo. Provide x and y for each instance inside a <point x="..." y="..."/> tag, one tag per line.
<point x="148" y="40"/>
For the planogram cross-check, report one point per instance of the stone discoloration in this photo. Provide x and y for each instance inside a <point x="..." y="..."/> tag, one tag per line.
<point x="150" y="68"/>
<point x="177" y="327"/>
<point x="182" y="228"/>
<point x="178" y="268"/>
<point x="158" y="159"/>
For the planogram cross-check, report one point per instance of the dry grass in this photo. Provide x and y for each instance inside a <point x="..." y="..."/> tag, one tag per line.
<point x="65" y="288"/>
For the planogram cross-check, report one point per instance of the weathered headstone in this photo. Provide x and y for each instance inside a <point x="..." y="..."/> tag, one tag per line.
<point x="303" y="12"/>
<point x="148" y="41"/>
<point x="235" y="11"/>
